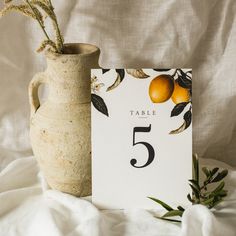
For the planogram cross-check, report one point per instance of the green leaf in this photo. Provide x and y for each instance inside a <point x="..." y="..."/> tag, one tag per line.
<point x="164" y="205"/>
<point x="166" y="219"/>
<point x="206" y="171"/>
<point x="216" y="203"/>
<point x="189" y="198"/>
<point x="220" y="176"/>
<point x="195" y="191"/>
<point x="99" y="104"/>
<point x="222" y="193"/>
<point x="178" y="108"/>
<point x="219" y="187"/>
<point x="208" y="201"/>
<point x="214" y="171"/>
<point x="196" y="168"/>
<point x="173" y="213"/>
<point x="195" y="184"/>
<point x="181" y="208"/>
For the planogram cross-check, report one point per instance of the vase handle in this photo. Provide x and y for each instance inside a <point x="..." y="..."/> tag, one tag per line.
<point x="38" y="79"/>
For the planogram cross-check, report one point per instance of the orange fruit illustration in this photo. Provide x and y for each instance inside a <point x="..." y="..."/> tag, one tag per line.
<point x="180" y="94"/>
<point x="161" y="88"/>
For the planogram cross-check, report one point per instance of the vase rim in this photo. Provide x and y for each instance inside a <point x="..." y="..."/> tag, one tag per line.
<point x="75" y="50"/>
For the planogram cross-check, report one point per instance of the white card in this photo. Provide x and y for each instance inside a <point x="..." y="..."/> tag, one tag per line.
<point x="141" y="137"/>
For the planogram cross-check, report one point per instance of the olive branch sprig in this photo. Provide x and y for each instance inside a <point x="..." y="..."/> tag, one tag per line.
<point x="38" y="10"/>
<point x="200" y="191"/>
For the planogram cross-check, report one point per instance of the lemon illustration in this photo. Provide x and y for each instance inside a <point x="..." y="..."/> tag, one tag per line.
<point x="161" y="88"/>
<point x="180" y="94"/>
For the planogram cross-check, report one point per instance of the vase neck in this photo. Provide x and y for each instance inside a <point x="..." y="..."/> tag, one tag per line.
<point x="69" y="77"/>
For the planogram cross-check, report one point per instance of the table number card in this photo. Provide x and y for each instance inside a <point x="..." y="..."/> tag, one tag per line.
<point x="141" y="137"/>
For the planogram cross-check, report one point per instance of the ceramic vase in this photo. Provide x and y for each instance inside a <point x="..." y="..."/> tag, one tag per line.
<point x="60" y="128"/>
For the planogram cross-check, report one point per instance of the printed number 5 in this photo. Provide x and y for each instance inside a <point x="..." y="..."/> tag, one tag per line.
<point x="151" y="151"/>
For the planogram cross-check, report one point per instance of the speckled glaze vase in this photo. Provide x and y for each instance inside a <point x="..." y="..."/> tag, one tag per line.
<point x="60" y="128"/>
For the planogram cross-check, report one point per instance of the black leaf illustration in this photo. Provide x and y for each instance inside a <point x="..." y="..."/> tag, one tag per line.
<point x="184" y="80"/>
<point x="99" y="104"/>
<point x="119" y="79"/>
<point x="178" y="109"/>
<point x="160" y="70"/>
<point x="188" y="118"/>
<point x="121" y="72"/>
<point x="105" y="70"/>
<point x="179" y="130"/>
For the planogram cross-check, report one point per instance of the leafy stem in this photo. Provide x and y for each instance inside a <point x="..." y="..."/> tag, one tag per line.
<point x="200" y="193"/>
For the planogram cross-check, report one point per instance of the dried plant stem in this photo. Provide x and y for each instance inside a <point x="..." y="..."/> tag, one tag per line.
<point x="58" y="32"/>
<point x="24" y="9"/>
<point x="34" y="8"/>
<point x="46" y="43"/>
<point x="37" y="18"/>
<point x="50" y="3"/>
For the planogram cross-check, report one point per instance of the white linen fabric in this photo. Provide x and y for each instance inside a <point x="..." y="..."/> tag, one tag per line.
<point x="29" y="208"/>
<point x="131" y="33"/>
